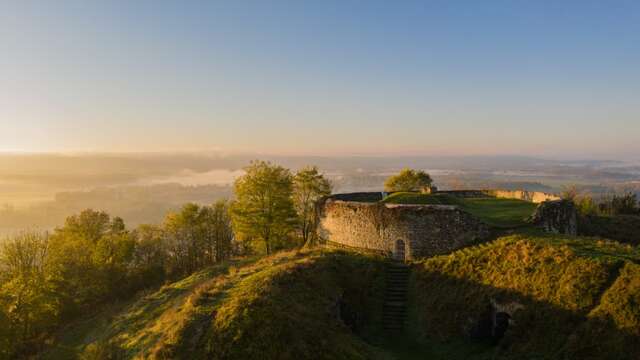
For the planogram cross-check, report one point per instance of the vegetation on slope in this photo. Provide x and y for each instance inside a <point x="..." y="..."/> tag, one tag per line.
<point x="568" y="297"/>
<point x="559" y="291"/>
<point x="496" y="212"/>
<point x="289" y="305"/>
<point x="623" y="228"/>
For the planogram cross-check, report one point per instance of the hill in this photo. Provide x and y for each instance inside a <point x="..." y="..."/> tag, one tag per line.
<point x="574" y="298"/>
<point x="567" y="298"/>
<point x="290" y="305"/>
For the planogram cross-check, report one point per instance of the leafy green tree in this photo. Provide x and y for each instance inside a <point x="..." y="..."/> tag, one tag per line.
<point x="184" y="238"/>
<point x="263" y="209"/>
<point x="23" y="255"/>
<point x="150" y="254"/>
<point x="309" y="185"/>
<point x="197" y="236"/>
<point x="217" y="230"/>
<point x="27" y="304"/>
<point x="88" y="259"/>
<point x="408" y="180"/>
<point x="89" y="224"/>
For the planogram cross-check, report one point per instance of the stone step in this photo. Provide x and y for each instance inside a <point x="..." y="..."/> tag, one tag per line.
<point x="394" y="311"/>
<point x="396" y="295"/>
<point x="396" y="291"/>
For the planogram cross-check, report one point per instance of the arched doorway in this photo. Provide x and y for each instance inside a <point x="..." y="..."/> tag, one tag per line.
<point x="399" y="251"/>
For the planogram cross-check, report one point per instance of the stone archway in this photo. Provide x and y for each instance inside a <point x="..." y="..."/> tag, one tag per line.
<point x="399" y="251"/>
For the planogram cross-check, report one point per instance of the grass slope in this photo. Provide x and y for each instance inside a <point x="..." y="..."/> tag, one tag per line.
<point x="499" y="213"/>
<point x="570" y="292"/>
<point x="570" y="297"/>
<point x="286" y="306"/>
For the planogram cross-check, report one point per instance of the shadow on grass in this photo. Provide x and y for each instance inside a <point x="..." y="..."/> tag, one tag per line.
<point x="445" y="310"/>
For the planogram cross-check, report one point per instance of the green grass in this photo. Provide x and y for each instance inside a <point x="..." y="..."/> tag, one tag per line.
<point x="495" y="212"/>
<point x="574" y="300"/>
<point x="578" y="298"/>
<point x="138" y="325"/>
<point x="273" y="308"/>
<point x="411" y="198"/>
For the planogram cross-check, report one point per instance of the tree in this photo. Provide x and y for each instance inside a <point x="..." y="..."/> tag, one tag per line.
<point x="27" y="304"/>
<point x="23" y="255"/>
<point x="217" y="230"/>
<point x="88" y="259"/>
<point x="408" y="180"/>
<point x="308" y="187"/>
<point x="263" y="209"/>
<point x="149" y="260"/>
<point x="184" y="238"/>
<point x="89" y="224"/>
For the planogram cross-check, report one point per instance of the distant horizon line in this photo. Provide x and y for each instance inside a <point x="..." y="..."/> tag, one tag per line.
<point x="225" y="153"/>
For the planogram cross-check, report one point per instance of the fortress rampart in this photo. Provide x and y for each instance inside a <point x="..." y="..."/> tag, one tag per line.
<point x="402" y="231"/>
<point x="362" y="221"/>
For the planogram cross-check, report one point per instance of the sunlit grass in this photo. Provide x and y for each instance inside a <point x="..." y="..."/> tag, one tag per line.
<point x="496" y="212"/>
<point x="565" y="285"/>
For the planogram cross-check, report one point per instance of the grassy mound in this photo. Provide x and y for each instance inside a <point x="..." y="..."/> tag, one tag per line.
<point x="496" y="212"/>
<point x="318" y="304"/>
<point x="562" y="293"/>
<point x="568" y="298"/>
<point x="299" y="310"/>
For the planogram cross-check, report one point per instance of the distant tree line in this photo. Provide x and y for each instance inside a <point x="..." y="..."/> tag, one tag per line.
<point x="47" y="280"/>
<point x="613" y="216"/>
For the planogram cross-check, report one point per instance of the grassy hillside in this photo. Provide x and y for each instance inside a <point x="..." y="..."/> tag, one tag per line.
<point x="500" y="213"/>
<point x="286" y="306"/>
<point x="570" y="297"/>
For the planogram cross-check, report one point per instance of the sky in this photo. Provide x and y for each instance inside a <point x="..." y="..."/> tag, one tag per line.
<point x="543" y="78"/>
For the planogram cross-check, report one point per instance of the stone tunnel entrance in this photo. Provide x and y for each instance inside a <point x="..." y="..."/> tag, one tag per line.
<point x="399" y="251"/>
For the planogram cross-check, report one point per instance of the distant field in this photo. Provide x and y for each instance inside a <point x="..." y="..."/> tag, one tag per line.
<point x="501" y="213"/>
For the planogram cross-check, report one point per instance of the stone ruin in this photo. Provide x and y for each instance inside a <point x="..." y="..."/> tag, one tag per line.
<point x="399" y="231"/>
<point x="360" y="221"/>
<point x="558" y="217"/>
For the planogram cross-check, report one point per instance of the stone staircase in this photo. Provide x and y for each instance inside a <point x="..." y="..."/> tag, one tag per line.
<point x="395" y="299"/>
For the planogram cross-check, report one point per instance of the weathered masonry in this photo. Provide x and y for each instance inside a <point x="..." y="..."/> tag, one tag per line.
<point x="402" y="231"/>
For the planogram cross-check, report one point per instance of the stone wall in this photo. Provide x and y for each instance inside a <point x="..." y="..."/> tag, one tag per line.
<point x="559" y="217"/>
<point x="425" y="230"/>
<point x="531" y="196"/>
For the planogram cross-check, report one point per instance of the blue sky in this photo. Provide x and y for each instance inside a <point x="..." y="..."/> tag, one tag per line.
<point x="546" y="78"/>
